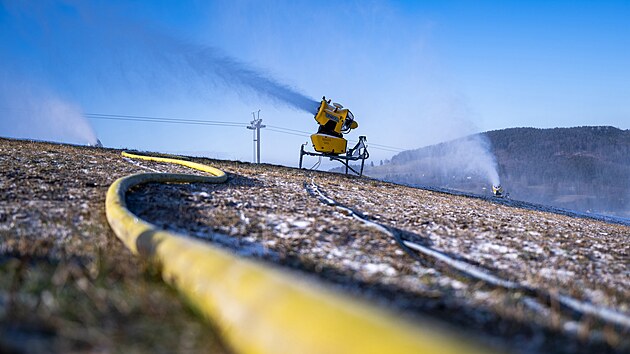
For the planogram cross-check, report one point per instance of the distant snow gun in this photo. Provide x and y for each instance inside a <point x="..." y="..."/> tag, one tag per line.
<point x="498" y="191"/>
<point x="335" y="121"/>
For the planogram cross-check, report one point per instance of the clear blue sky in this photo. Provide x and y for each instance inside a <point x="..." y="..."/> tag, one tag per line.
<point x="413" y="72"/>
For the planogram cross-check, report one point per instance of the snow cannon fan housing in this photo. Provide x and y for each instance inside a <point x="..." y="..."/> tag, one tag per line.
<point x="334" y="121"/>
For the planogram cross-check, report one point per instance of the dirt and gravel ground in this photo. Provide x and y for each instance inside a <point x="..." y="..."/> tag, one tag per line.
<point x="68" y="282"/>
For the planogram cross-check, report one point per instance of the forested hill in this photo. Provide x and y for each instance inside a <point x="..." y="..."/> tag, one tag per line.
<point x="581" y="168"/>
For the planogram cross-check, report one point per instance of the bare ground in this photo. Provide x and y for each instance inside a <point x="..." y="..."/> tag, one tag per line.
<point x="69" y="282"/>
<point x="66" y="283"/>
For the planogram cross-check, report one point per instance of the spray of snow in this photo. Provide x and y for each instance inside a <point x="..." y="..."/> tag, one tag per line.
<point x="34" y="113"/>
<point x="454" y="156"/>
<point x="118" y="49"/>
<point x="452" y="162"/>
<point x="208" y="63"/>
<point x="467" y="156"/>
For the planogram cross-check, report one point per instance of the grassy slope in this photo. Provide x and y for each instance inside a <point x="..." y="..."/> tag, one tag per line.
<point x="66" y="283"/>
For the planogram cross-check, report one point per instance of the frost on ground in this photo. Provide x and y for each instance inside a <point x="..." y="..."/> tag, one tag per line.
<point x="67" y="285"/>
<point x="269" y="206"/>
<point x="265" y="212"/>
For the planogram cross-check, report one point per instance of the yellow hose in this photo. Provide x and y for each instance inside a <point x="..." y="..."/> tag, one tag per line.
<point x="218" y="176"/>
<point x="260" y="308"/>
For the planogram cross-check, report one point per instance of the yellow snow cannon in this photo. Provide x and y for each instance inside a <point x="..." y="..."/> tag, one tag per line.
<point x="335" y="121"/>
<point x="497" y="191"/>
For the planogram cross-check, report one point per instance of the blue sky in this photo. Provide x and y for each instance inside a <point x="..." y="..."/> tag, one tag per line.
<point x="413" y="73"/>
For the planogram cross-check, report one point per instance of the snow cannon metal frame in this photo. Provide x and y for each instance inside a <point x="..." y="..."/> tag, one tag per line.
<point x="358" y="153"/>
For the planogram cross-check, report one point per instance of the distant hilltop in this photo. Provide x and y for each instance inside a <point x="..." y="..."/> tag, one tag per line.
<point x="582" y="168"/>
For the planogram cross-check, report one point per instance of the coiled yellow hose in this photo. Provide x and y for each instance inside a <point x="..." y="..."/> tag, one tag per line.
<point x="260" y="308"/>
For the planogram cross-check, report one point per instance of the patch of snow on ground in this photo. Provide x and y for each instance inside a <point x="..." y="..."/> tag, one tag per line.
<point x="381" y="268"/>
